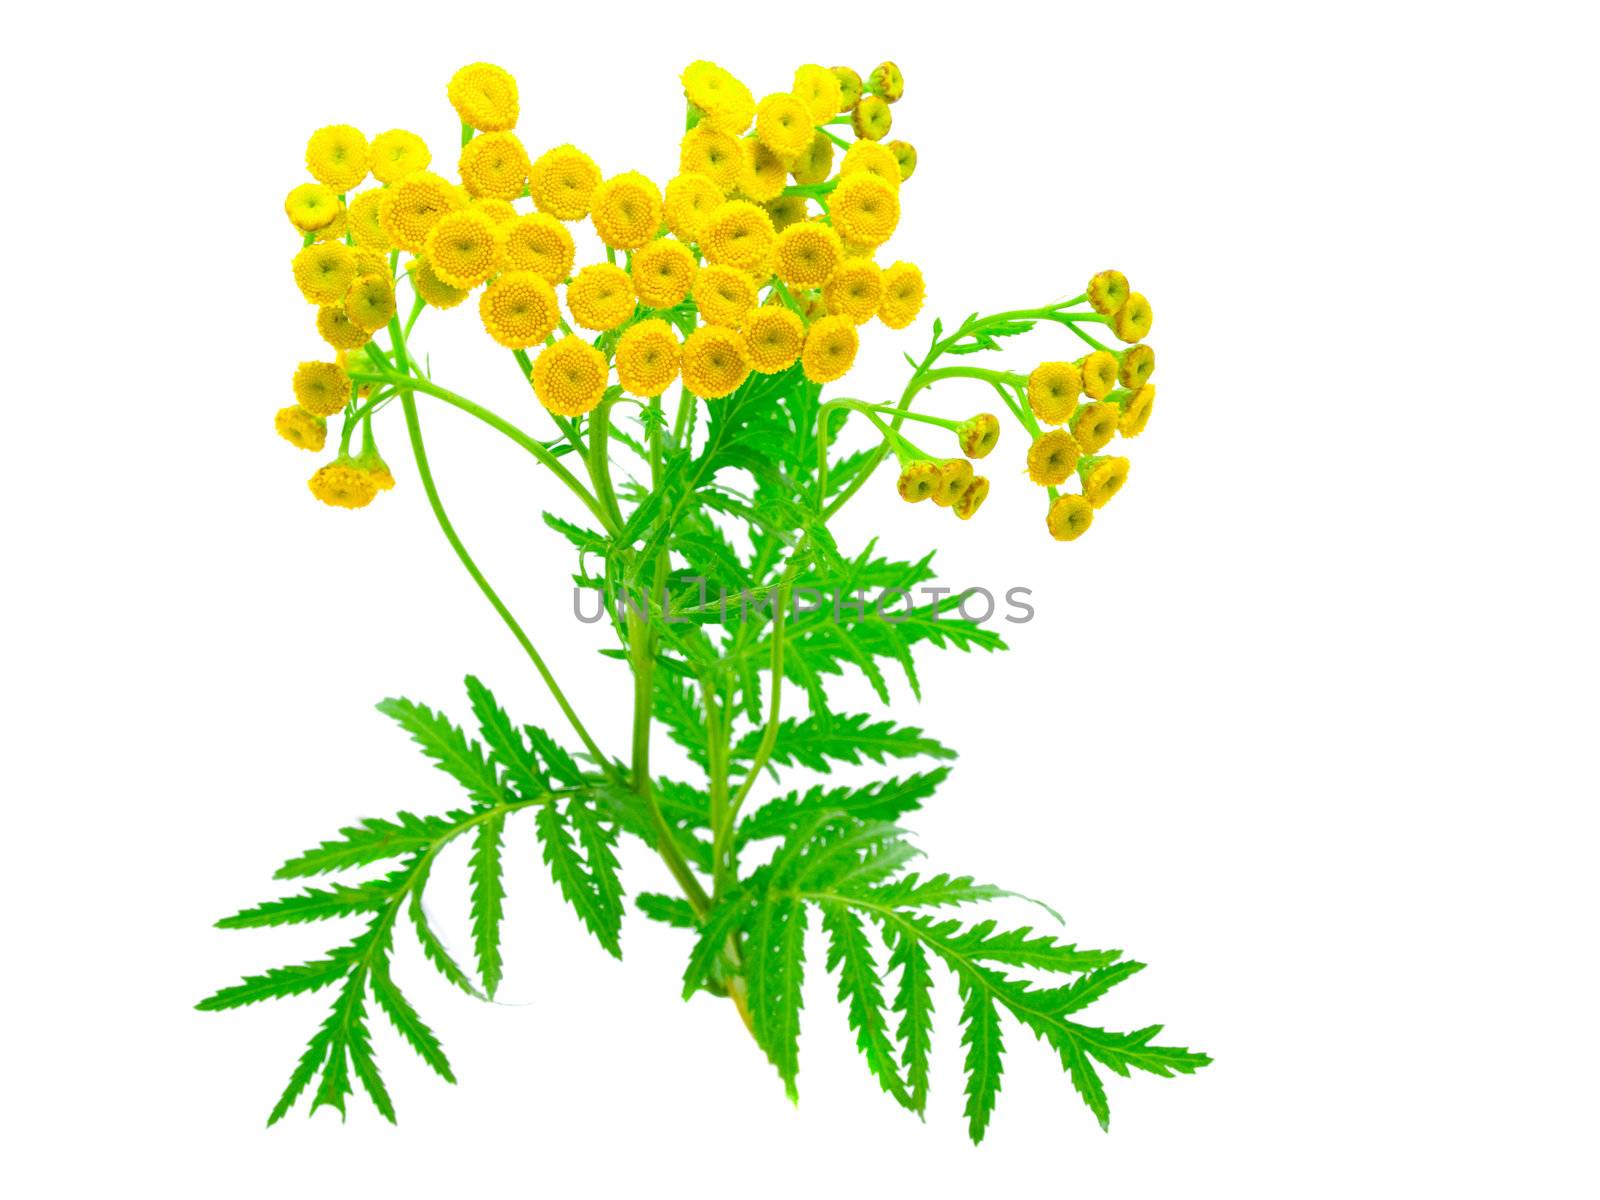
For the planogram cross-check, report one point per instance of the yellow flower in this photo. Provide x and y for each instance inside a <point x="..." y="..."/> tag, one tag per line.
<point x="396" y="154"/>
<point x="715" y="362"/>
<point x="724" y="295"/>
<point x="1102" y="478"/>
<point x="1099" y="372"/>
<point x="370" y="302"/>
<point x="818" y="89"/>
<point x="807" y="254"/>
<point x="855" y="290"/>
<point x="539" y="243"/>
<point x="918" y="480"/>
<point x="663" y="273"/>
<point x="626" y="211"/>
<point x="519" y="309"/>
<point x="1068" y="517"/>
<point x="409" y="209"/>
<point x="830" y="349"/>
<point x="865" y="209"/>
<point x="570" y="377"/>
<point x="323" y="271"/>
<point x="370" y="261"/>
<point x="786" y="210"/>
<point x="1053" y="391"/>
<point x="562" y="182"/>
<point x="1135" y="407"/>
<point x="462" y="248"/>
<point x="600" y="297"/>
<point x="647" y="358"/>
<point x="886" y="81"/>
<point x="774" y="336"/>
<point x="433" y="290"/>
<point x="335" y="229"/>
<point x="903" y="291"/>
<point x="784" y="125"/>
<point x="500" y="212"/>
<point x="716" y="155"/>
<point x="1095" y="424"/>
<point x="342" y="484"/>
<point x="1138" y="364"/>
<point x="739" y="234"/>
<point x="1108" y="291"/>
<point x="764" y="175"/>
<point x="871" y="118"/>
<point x="311" y="206"/>
<point x="322" y="388"/>
<point x="906" y="155"/>
<point x="301" y="428"/>
<point x="691" y="198"/>
<point x="494" y="164"/>
<point x="979" y="435"/>
<point x="972" y="499"/>
<point x="725" y="104"/>
<point x="1133" y="319"/>
<point x="484" y="96"/>
<point x="955" y="477"/>
<point x="337" y="156"/>
<point x="1052" y="457"/>
<point x="815" y="162"/>
<point x="338" y="330"/>
<point x="850" y="88"/>
<point x="871" y="158"/>
<point x="364" y="223"/>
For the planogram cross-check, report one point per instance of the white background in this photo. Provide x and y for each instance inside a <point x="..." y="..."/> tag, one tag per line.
<point x="1306" y="722"/>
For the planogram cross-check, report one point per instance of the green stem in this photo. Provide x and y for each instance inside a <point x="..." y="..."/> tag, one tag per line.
<point x="600" y="462"/>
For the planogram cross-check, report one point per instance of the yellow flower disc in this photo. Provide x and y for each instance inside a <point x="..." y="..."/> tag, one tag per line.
<point x="322" y="388"/>
<point x="1108" y="292"/>
<point x="903" y="292"/>
<point x="600" y="297"/>
<point x="1133" y="319"/>
<point x="918" y="481"/>
<point x="434" y="291"/>
<point x="979" y="435"/>
<point x="865" y="209"/>
<point x="715" y="362"/>
<point x="717" y="156"/>
<point x="871" y="158"/>
<point x="494" y="164"/>
<point x="855" y="290"/>
<point x="1099" y="371"/>
<point x="338" y="330"/>
<point x="739" y="234"/>
<point x="955" y="476"/>
<point x="519" y="309"/>
<point x="1138" y="364"/>
<point x="301" y="428"/>
<point x="830" y="349"/>
<point x="311" y="206"/>
<point x="726" y="104"/>
<point x="691" y="199"/>
<point x="784" y="125"/>
<point x="905" y="154"/>
<point x="1102" y="478"/>
<point x="343" y="485"/>
<point x="647" y="358"/>
<point x="323" y="271"/>
<point x="570" y="377"/>
<point x="409" y="209"/>
<point x="972" y="498"/>
<point x="370" y="302"/>
<point x="626" y="211"/>
<point x="1095" y="424"/>
<point x="886" y="81"/>
<point x="1068" y="517"/>
<point x="1052" y="457"/>
<point x="484" y="96"/>
<point x="497" y="210"/>
<point x="815" y="162"/>
<point x="335" y="229"/>
<point x="1053" y="391"/>
<point x="818" y="89"/>
<point x="663" y="273"/>
<point x="850" y="88"/>
<point x="1136" y="409"/>
<point x="724" y="295"/>
<point x="871" y="118"/>
<point x="396" y="154"/>
<point x="365" y="226"/>
<point x="774" y="336"/>
<point x="337" y="156"/>
<point x="462" y="248"/>
<point x="807" y="254"/>
<point x="786" y="210"/>
<point x="562" y="182"/>
<point x="539" y="243"/>
<point x="764" y="176"/>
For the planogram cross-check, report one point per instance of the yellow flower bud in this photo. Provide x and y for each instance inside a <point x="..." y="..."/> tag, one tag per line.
<point x="1099" y="372"/>
<point x="1108" y="291"/>
<point x="871" y="118"/>
<point x="979" y="435"/>
<point x="905" y="154"/>
<point x="919" y="480"/>
<point x="1095" y="424"/>
<point x="1133" y="319"/>
<point x="886" y="81"/>
<point x="1138" y="364"/>
<point x="849" y="88"/>
<point x="955" y="476"/>
<point x="1052" y="457"/>
<point x="1068" y="517"/>
<point x="1102" y="478"/>
<point x="972" y="499"/>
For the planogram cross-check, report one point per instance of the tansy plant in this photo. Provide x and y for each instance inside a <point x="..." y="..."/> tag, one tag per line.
<point x="747" y="281"/>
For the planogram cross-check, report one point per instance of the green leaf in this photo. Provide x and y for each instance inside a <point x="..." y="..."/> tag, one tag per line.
<point x="913" y="1000"/>
<point x="407" y="1022"/>
<point x="669" y="910"/>
<point x="371" y="841"/>
<point x="980" y="1034"/>
<point x="860" y="987"/>
<point x="587" y="540"/>
<point x="433" y="948"/>
<point x="281" y="981"/>
<point x="597" y="900"/>
<point x="882" y="801"/>
<point x="507" y="746"/>
<point x="557" y="761"/>
<point x="774" y="960"/>
<point x="488" y="900"/>
<point x="912" y="891"/>
<point x="813" y="741"/>
<point x="317" y="904"/>
<point x="451" y="750"/>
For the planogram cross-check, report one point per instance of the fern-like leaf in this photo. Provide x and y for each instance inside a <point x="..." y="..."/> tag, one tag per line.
<point x="452" y="751"/>
<point x="488" y="900"/>
<point x="850" y="955"/>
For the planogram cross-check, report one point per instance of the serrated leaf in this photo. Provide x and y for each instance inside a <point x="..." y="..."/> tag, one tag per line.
<point x="488" y="900"/>
<point x="408" y="1023"/>
<point x="775" y="968"/>
<point x="850" y="955"/>
<point x="507" y="746"/>
<point x="669" y="910"/>
<point x="980" y="1034"/>
<point x="371" y="841"/>
<point x="280" y="981"/>
<point x="316" y="904"/>
<point x="815" y="740"/>
<point x="558" y="763"/>
<point x="913" y="1000"/>
<point x="451" y="750"/>
<point x="600" y="912"/>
